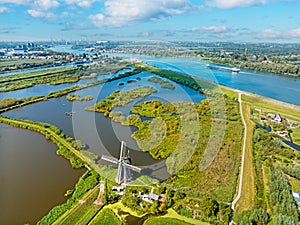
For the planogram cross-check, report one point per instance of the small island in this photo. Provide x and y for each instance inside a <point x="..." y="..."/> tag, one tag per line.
<point x="72" y="97"/>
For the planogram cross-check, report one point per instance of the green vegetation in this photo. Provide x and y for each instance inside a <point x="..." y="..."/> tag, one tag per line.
<point x="163" y="83"/>
<point x="25" y="76"/>
<point x="164" y="221"/>
<point x="253" y="216"/>
<point x="72" y="97"/>
<point x="82" y="211"/>
<point x="218" y="181"/>
<point x="87" y="182"/>
<point x="120" y="99"/>
<point x="250" y="175"/>
<point x="54" y="79"/>
<point x="275" y="165"/>
<point x="7" y="65"/>
<point x="283" y="204"/>
<point x="105" y="217"/>
<point x="7" y="103"/>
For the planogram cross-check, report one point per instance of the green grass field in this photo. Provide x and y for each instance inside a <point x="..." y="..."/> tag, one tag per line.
<point x="106" y="217"/>
<point x="246" y="201"/>
<point x="82" y="212"/>
<point x="164" y="221"/>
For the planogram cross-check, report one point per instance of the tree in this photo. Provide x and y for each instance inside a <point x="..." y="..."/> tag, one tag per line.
<point x="209" y="206"/>
<point x="154" y="207"/>
<point x="169" y="202"/>
<point x="259" y="216"/>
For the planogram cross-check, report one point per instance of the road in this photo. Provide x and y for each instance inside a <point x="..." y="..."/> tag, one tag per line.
<point x="243" y="158"/>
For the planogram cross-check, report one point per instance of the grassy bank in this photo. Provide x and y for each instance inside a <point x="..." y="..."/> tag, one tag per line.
<point x="246" y="202"/>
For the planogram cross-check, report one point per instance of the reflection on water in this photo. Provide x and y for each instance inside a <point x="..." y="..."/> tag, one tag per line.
<point x="33" y="179"/>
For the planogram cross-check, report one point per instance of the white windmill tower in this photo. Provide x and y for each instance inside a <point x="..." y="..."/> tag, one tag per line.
<point x="124" y="165"/>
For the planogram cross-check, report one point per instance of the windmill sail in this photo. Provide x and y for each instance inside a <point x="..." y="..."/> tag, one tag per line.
<point x="124" y="167"/>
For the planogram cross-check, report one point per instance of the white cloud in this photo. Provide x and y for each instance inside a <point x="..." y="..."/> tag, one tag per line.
<point x="3" y="9"/>
<point x="17" y="2"/>
<point x="211" y="29"/>
<point x="41" y="14"/>
<point x="81" y="3"/>
<point x="119" y="13"/>
<point x="45" y="4"/>
<point x="295" y="33"/>
<point x="227" y="4"/>
<point x="275" y="34"/>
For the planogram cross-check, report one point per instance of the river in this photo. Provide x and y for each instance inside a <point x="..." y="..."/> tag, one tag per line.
<point x="279" y="87"/>
<point x="33" y="179"/>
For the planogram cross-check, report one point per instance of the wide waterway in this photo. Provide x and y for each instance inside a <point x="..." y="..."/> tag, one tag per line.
<point x="279" y="87"/>
<point x="33" y="179"/>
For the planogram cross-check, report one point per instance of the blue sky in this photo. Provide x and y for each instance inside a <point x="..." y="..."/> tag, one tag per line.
<point x="192" y="20"/>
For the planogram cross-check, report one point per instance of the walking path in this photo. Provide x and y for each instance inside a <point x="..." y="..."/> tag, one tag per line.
<point x="243" y="158"/>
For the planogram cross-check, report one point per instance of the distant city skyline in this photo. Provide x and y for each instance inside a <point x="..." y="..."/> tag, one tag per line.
<point x="174" y="20"/>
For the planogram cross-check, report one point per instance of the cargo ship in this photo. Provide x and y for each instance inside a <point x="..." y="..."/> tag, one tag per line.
<point x="224" y="68"/>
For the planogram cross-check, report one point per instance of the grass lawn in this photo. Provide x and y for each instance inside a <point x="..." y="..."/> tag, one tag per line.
<point x="246" y="201"/>
<point x="164" y="221"/>
<point x="105" y="217"/>
<point x="296" y="135"/>
<point x="82" y="212"/>
<point x="172" y="214"/>
<point x="295" y="183"/>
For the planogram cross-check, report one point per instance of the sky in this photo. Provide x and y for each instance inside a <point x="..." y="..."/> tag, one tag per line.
<point x="166" y="20"/>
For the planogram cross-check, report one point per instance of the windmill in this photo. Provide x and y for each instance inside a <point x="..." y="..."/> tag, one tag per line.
<point x="124" y="165"/>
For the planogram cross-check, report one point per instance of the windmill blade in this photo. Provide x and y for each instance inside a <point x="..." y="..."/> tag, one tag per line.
<point x="135" y="168"/>
<point x="109" y="159"/>
<point x="121" y="151"/>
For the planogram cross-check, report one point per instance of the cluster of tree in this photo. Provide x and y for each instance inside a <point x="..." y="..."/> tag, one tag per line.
<point x="25" y="76"/>
<point x="11" y="102"/>
<point x="75" y="161"/>
<point x="268" y="144"/>
<point x="177" y="77"/>
<point x="206" y="209"/>
<point x="73" y="97"/>
<point x="88" y="181"/>
<point x="163" y="83"/>
<point x="57" y="94"/>
<point x="255" y="216"/>
<point x="49" y="79"/>
<point x="26" y="65"/>
<point x="292" y="171"/>
<point x="281" y="198"/>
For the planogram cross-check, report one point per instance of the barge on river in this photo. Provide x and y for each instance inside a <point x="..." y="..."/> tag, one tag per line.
<point x="224" y="68"/>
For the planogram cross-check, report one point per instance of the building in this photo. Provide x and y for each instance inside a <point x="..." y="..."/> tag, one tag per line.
<point x="275" y="118"/>
<point x="153" y="197"/>
<point x="296" y="196"/>
<point x="282" y="133"/>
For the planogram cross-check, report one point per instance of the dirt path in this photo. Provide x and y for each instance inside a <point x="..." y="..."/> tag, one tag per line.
<point x="243" y="158"/>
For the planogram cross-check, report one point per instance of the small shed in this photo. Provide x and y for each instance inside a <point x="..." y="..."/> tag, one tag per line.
<point x="153" y="196"/>
<point x="296" y="196"/>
